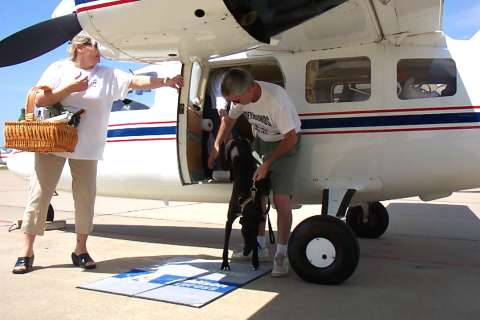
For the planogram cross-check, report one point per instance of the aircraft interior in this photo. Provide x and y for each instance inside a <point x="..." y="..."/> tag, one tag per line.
<point x="262" y="70"/>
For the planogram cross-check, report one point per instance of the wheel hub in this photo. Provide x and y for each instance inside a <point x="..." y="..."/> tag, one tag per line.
<point x="320" y="252"/>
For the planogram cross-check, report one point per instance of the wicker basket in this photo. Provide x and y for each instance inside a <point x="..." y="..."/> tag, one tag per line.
<point x="38" y="136"/>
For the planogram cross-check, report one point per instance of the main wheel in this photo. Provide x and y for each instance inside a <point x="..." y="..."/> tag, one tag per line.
<point x="376" y="224"/>
<point x="50" y="213"/>
<point x="323" y="250"/>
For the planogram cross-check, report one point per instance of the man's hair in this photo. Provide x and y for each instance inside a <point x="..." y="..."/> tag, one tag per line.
<point x="236" y="81"/>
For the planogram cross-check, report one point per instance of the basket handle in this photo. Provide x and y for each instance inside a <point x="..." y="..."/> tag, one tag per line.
<point x="30" y="103"/>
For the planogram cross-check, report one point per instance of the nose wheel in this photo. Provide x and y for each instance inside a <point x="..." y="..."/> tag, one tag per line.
<point x="323" y="250"/>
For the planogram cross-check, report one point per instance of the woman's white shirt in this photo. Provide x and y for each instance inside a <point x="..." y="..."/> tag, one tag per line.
<point x="272" y="115"/>
<point x="105" y="85"/>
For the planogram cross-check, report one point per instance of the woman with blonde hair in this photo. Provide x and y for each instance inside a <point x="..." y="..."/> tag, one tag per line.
<point x="77" y="83"/>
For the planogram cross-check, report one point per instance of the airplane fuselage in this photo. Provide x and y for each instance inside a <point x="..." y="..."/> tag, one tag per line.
<point x="383" y="146"/>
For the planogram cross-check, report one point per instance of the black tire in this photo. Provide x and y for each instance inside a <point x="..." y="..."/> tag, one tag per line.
<point x="345" y="259"/>
<point x="50" y="213"/>
<point x="377" y="222"/>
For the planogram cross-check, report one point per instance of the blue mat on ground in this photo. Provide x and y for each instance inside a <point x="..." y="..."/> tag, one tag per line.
<point x="181" y="280"/>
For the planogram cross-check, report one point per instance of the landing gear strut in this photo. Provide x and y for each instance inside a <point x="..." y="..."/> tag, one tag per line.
<point x="368" y="221"/>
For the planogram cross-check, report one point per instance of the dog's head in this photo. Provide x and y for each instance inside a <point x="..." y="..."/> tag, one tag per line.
<point x="238" y="153"/>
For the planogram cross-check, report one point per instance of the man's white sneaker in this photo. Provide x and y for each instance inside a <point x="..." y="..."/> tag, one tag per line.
<point x="280" y="266"/>
<point x="263" y="255"/>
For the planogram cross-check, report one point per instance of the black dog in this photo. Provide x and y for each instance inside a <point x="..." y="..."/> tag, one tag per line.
<point x="245" y="201"/>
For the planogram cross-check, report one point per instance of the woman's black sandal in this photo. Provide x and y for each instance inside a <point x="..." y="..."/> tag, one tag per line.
<point x="83" y="260"/>
<point x="25" y="262"/>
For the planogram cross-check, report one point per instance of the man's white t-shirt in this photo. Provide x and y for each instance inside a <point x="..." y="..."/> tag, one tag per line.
<point x="272" y="115"/>
<point x="105" y="85"/>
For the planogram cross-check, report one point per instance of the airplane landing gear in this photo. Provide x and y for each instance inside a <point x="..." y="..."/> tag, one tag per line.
<point x="323" y="250"/>
<point x="369" y="221"/>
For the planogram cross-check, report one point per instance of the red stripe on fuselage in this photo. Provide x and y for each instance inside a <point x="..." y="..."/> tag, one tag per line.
<point x="390" y="130"/>
<point x="386" y="111"/>
<point x="147" y="139"/>
<point x="103" y="5"/>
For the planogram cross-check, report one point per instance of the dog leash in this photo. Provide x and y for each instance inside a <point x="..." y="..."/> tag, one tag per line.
<point x="271" y="235"/>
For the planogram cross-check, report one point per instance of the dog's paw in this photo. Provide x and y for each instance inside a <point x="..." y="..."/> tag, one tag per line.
<point x="225" y="266"/>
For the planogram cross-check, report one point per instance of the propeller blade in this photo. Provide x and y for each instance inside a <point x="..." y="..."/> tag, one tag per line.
<point x="38" y="39"/>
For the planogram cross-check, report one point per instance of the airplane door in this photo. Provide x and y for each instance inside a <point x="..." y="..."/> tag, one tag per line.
<point x="189" y="123"/>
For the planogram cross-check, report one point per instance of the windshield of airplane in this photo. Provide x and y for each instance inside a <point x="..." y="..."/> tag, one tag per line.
<point x="136" y="99"/>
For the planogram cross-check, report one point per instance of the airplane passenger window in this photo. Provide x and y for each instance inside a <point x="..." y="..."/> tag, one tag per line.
<point x="338" y="80"/>
<point x="136" y="99"/>
<point x="426" y="78"/>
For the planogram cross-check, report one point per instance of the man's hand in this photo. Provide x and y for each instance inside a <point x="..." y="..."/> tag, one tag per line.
<point x="176" y="82"/>
<point x="222" y="113"/>
<point x="79" y="84"/>
<point x="262" y="171"/>
<point x="213" y="155"/>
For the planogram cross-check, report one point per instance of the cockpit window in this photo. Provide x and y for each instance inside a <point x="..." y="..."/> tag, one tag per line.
<point x="136" y="99"/>
<point x="338" y="80"/>
<point x="426" y="78"/>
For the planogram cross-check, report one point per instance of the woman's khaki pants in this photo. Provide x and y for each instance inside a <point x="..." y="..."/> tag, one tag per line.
<point x="44" y="180"/>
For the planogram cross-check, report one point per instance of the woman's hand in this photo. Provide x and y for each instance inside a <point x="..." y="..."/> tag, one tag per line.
<point x="79" y="84"/>
<point x="176" y="82"/>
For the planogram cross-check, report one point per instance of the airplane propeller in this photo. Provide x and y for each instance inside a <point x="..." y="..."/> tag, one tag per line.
<point x="38" y="39"/>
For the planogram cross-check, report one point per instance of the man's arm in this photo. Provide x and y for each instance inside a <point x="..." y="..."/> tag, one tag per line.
<point x="225" y="129"/>
<point x="146" y="82"/>
<point x="287" y="144"/>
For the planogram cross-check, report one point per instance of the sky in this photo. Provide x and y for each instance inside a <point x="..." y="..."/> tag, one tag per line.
<point x="460" y="21"/>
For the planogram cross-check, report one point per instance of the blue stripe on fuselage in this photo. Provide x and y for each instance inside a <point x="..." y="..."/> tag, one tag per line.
<point x="77" y="2"/>
<point x="403" y="120"/>
<point x="331" y="123"/>
<point x="145" y="131"/>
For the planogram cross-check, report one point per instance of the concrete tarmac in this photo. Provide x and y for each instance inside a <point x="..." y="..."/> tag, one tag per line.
<point x="426" y="266"/>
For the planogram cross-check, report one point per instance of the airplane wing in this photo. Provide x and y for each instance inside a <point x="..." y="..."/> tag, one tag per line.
<point x="218" y="28"/>
<point x="152" y="30"/>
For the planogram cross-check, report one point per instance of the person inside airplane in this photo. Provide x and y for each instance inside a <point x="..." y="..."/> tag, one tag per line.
<point x="77" y="83"/>
<point x="425" y="78"/>
<point x="215" y="109"/>
<point x="277" y="140"/>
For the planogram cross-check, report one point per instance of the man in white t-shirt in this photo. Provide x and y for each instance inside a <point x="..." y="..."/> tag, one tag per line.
<point x="276" y="127"/>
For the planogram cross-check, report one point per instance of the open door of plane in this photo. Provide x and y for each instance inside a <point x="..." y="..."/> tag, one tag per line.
<point x="189" y="123"/>
<point x="193" y="141"/>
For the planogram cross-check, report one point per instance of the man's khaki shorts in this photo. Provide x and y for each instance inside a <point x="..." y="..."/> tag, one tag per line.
<point x="282" y="171"/>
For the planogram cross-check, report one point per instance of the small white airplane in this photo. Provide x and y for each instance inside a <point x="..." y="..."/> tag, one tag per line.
<point x="388" y="105"/>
